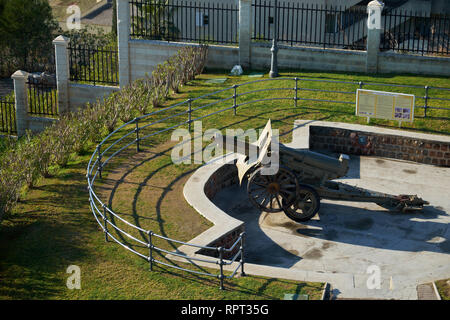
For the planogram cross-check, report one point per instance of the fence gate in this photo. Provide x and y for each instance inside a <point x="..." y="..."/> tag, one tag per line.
<point x="42" y="96"/>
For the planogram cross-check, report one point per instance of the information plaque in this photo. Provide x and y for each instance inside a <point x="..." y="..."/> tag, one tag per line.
<point x="385" y="105"/>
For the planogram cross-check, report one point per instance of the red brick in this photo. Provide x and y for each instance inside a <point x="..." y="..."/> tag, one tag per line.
<point x="432" y="153"/>
<point x="444" y="147"/>
<point x="439" y="154"/>
<point x="434" y="161"/>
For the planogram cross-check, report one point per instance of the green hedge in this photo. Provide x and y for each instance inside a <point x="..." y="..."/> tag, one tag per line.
<point x="22" y="163"/>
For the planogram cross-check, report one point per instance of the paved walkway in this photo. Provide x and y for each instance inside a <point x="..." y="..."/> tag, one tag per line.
<point x="346" y="239"/>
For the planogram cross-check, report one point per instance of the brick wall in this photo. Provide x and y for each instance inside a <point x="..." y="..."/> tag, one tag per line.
<point x="383" y="145"/>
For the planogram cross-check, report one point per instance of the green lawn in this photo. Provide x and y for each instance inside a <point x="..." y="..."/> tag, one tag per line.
<point x="443" y="287"/>
<point x="52" y="227"/>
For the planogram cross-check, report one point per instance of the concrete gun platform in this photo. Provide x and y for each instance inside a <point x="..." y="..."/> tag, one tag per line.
<point x="349" y="237"/>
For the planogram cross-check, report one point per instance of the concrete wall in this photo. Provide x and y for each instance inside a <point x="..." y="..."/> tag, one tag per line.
<point x="80" y="94"/>
<point x="404" y="63"/>
<point x="310" y="58"/>
<point x="145" y="55"/>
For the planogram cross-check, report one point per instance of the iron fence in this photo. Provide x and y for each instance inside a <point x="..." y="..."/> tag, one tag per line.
<point x="419" y="33"/>
<point x="314" y="25"/>
<point x="134" y="132"/>
<point x="42" y="97"/>
<point x="8" y="116"/>
<point x="94" y="64"/>
<point x="179" y="20"/>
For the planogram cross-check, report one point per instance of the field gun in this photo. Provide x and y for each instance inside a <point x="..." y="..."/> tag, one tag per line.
<point x="303" y="178"/>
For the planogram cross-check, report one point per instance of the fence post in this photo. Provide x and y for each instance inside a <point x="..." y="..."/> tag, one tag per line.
<point x="426" y="102"/>
<point x="138" y="149"/>
<point x="374" y="9"/>
<point x="245" y="33"/>
<point x="100" y="165"/>
<point x="234" y="98"/>
<point x="242" y="254"/>
<point x="189" y="101"/>
<point x="62" y="72"/>
<point x="123" y="36"/>
<point x="105" y="222"/>
<point x="220" y="249"/>
<point x="150" y="249"/>
<point x="21" y="97"/>
<point x="296" y="92"/>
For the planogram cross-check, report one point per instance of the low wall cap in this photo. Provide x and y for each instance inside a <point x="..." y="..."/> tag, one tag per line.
<point x="376" y="3"/>
<point x="61" y="39"/>
<point x="19" y="74"/>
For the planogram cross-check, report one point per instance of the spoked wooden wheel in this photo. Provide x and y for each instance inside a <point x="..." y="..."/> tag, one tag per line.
<point x="305" y="206"/>
<point x="270" y="192"/>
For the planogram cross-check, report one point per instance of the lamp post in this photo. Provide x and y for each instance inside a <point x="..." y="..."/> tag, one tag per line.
<point x="274" y="50"/>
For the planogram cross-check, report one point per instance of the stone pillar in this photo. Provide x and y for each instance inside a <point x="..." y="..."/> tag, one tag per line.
<point x="374" y="9"/>
<point x="21" y="96"/>
<point x="245" y="33"/>
<point x="62" y="72"/>
<point x="123" y="36"/>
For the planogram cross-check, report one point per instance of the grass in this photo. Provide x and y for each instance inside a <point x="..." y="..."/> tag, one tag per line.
<point x="52" y="227"/>
<point x="443" y="287"/>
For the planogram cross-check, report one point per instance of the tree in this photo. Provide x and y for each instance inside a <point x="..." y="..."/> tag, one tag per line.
<point x="27" y="28"/>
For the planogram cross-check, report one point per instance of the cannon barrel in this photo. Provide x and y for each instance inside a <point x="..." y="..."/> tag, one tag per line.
<point x="318" y="164"/>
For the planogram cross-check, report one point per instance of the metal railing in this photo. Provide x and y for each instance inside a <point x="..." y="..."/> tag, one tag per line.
<point x="42" y="97"/>
<point x="94" y="64"/>
<point x="314" y="25"/>
<point x="133" y="133"/>
<point x="189" y="21"/>
<point x="414" y="32"/>
<point x="8" y="115"/>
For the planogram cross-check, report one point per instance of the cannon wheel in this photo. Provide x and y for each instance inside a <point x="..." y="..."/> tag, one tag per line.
<point x="305" y="205"/>
<point x="269" y="192"/>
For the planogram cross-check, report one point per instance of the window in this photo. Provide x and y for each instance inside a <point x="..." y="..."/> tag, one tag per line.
<point x="201" y="19"/>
